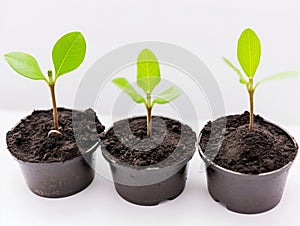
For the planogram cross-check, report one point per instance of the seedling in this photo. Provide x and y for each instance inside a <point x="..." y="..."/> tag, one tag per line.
<point x="67" y="54"/>
<point x="148" y="77"/>
<point x="248" y="54"/>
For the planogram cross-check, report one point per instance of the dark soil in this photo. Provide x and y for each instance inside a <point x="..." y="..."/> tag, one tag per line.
<point x="170" y="141"/>
<point x="264" y="149"/>
<point x="29" y="140"/>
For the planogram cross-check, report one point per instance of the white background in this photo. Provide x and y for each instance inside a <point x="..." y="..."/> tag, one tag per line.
<point x="209" y="29"/>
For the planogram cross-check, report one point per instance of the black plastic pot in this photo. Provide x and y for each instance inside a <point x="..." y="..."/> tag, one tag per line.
<point x="60" y="179"/>
<point x="150" y="185"/>
<point x="245" y="193"/>
<point x="129" y="183"/>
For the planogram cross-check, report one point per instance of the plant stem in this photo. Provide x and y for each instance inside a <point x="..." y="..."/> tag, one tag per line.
<point x="251" y="95"/>
<point x="55" y="115"/>
<point x="149" y="115"/>
<point x="52" y="91"/>
<point x="251" y="98"/>
<point x="149" y="121"/>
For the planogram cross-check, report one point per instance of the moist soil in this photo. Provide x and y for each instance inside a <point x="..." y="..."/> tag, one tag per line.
<point x="170" y="142"/>
<point x="29" y="140"/>
<point x="262" y="150"/>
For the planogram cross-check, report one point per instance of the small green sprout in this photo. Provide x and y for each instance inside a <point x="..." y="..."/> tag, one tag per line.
<point x="148" y="77"/>
<point x="67" y="54"/>
<point x="248" y="54"/>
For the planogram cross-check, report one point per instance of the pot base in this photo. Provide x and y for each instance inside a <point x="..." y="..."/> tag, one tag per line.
<point x="246" y="194"/>
<point x="62" y="194"/>
<point x="153" y="194"/>
<point x="59" y="179"/>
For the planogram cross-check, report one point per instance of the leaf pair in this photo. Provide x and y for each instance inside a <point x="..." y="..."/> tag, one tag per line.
<point x="148" y="77"/>
<point x="248" y="54"/>
<point x="67" y="54"/>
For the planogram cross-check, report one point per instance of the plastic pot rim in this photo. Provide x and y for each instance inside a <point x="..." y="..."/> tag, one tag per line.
<point x="69" y="161"/>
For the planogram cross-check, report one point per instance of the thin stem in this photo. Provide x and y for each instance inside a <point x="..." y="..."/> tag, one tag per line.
<point x="55" y="115"/>
<point x="251" y="98"/>
<point x="149" y="121"/>
<point x="52" y="91"/>
<point x="251" y="121"/>
<point x="149" y="114"/>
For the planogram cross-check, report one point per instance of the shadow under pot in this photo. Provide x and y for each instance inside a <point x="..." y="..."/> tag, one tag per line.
<point x="148" y="170"/>
<point x="57" y="165"/>
<point x="246" y="170"/>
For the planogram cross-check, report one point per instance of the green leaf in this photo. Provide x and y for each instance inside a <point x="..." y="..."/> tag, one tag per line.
<point x="148" y="72"/>
<point x="167" y="96"/>
<point x="127" y="88"/>
<point x="68" y="53"/>
<point x="249" y="51"/>
<point x="242" y="80"/>
<point x="25" y="65"/>
<point x="281" y="75"/>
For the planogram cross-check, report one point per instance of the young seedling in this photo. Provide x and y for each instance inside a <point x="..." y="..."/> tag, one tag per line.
<point x="248" y="54"/>
<point x="67" y="54"/>
<point x="148" y="77"/>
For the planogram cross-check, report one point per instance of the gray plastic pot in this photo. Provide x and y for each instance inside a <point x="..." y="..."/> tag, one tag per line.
<point x="60" y="179"/>
<point x="245" y="193"/>
<point x="148" y="185"/>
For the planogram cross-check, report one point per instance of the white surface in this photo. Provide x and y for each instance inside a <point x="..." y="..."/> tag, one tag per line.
<point x="208" y="28"/>
<point x="99" y="204"/>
